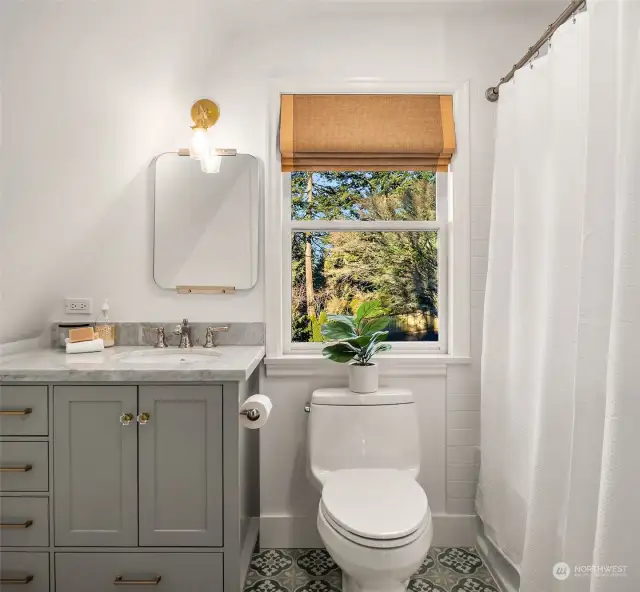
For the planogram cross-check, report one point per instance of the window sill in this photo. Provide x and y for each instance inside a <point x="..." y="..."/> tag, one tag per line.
<point x="400" y="365"/>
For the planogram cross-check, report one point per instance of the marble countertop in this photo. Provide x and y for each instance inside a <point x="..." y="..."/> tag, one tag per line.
<point x="232" y="362"/>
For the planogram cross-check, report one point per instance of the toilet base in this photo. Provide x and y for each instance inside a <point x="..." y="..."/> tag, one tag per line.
<point x="350" y="585"/>
<point x="367" y="569"/>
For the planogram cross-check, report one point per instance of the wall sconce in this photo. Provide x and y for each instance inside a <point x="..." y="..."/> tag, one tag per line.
<point x="204" y="113"/>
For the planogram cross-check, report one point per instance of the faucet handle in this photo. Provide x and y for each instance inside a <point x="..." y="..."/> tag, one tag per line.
<point x="209" y="341"/>
<point x="161" y="342"/>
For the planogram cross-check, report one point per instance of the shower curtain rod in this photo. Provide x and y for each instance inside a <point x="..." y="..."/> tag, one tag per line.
<point x="493" y="92"/>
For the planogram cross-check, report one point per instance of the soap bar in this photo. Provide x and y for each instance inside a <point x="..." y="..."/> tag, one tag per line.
<point x="81" y="334"/>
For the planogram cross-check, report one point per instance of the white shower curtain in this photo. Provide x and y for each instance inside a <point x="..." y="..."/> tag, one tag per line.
<point x="560" y="476"/>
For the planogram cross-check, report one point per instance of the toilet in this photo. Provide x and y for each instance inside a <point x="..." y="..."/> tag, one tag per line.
<point x="364" y="457"/>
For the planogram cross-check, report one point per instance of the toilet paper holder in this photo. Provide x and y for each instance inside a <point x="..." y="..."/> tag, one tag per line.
<point x="252" y="414"/>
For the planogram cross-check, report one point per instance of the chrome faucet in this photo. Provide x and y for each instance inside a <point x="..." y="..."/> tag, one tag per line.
<point x="184" y="331"/>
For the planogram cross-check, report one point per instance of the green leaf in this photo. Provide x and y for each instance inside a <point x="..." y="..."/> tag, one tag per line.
<point x="337" y="330"/>
<point x="379" y="336"/>
<point x="339" y="352"/>
<point x="374" y="325"/>
<point x="367" y="309"/>
<point x="375" y="346"/>
<point x="359" y="342"/>
<point x="343" y="319"/>
<point x="381" y="347"/>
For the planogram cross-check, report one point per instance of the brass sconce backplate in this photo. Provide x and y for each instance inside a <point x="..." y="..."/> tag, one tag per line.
<point x="205" y="113"/>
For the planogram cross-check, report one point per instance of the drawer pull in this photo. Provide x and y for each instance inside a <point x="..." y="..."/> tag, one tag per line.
<point x="16" y="469"/>
<point x="24" y="411"/>
<point x="119" y="581"/>
<point x="21" y="581"/>
<point x="25" y="524"/>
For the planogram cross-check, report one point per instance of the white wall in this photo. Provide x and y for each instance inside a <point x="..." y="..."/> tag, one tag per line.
<point x="477" y="44"/>
<point x="93" y="90"/>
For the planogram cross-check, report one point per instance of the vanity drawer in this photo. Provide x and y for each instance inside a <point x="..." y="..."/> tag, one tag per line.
<point x="24" y="521"/>
<point x="24" y="466"/>
<point x="25" y="571"/>
<point x="106" y="572"/>
<point x="23" y="411"/>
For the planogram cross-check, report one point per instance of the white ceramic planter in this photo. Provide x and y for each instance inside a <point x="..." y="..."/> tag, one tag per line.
<point x="363" y="379"/>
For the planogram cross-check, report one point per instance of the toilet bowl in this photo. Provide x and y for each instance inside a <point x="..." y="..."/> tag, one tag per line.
<point x="376" y="524"/>
<point x="364" y="457"/>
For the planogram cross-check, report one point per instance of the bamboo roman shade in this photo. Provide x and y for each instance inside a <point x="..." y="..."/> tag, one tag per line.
<point x="366" y="132"/>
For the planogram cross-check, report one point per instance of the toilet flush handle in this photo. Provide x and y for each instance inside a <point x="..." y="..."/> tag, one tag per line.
<point x="307" y="408"/>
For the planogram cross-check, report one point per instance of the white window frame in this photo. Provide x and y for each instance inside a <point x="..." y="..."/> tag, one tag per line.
<point x="439" y="226"/>
<point x="452" y="225"/>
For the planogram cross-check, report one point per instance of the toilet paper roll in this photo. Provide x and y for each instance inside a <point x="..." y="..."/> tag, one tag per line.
<point x="255" y="403"/>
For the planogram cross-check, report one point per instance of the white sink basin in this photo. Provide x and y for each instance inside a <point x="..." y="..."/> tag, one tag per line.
<point x="170" y="357"/>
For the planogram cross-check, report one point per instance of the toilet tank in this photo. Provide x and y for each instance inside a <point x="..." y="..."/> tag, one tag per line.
<point x="351" y="431"/>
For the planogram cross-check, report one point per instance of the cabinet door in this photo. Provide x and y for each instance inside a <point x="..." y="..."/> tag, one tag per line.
<point x="95" y="455"/>
<point x="180" y="466"/>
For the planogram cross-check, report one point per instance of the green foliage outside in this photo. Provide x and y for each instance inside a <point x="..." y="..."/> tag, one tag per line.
<point x="333" y="273"/>
<point x="359" y="336"/>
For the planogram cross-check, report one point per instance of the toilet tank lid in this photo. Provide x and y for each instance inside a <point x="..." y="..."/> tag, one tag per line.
<point x="343" y="396"/>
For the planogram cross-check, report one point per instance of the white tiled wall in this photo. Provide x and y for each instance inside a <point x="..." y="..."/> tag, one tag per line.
<point x="463" y="383"/>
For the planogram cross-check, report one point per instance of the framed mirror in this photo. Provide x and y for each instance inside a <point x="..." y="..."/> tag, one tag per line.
<point x="205" y="225"/>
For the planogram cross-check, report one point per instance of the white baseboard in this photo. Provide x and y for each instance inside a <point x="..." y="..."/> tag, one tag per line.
<point x="289" y="532"/>
<point x="454" y="530"/>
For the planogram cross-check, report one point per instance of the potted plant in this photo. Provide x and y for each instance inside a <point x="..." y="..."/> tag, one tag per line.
<point x="359" y="338"/>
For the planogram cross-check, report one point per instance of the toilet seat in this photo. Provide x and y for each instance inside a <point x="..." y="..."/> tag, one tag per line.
<point x="380" y="508"/>
<point x="376" y="543"/>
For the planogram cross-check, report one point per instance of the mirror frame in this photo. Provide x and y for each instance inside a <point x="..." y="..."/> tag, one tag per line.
<point x="200" y="289"/>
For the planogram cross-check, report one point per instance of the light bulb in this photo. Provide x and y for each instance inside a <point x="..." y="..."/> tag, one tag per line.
<point x="211" y="163"/>
<point x="200" y="144"/>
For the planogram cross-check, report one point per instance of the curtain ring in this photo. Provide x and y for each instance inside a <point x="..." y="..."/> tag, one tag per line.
<point x="534" y="58"/>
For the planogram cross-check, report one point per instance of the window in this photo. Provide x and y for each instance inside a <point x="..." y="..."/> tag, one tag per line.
<point x="346" y="221"/>
<point x="364" y="235"/>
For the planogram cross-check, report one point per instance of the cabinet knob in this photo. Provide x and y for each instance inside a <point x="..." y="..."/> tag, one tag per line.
<point x="143" y="418"/>
<point x="126" y="419"/>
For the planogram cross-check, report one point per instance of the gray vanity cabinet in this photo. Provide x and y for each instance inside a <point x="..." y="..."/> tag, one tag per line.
<point x="129" y="484"/>
<point x="96" y="466"/>
<point x="180" y="466"/>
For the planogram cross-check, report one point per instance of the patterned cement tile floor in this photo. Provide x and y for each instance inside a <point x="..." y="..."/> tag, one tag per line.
<point x="450" y="569"/>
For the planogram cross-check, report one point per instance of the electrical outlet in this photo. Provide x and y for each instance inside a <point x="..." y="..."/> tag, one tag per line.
<point x="77" y="305"/>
